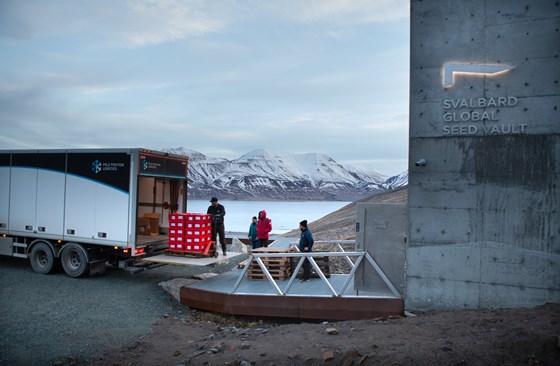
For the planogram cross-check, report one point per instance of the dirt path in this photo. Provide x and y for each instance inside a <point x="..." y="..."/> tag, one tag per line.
<point x="484" y="337"/>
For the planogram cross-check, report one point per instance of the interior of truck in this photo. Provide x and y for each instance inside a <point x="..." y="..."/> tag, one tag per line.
<point x="156" y="198"/>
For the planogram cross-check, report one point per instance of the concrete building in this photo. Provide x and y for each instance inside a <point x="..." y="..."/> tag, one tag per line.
<point x="483" y="211"/>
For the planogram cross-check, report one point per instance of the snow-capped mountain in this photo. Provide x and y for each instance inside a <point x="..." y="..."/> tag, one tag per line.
<point x="397" y="181"/>
<point x="264" y="174"/>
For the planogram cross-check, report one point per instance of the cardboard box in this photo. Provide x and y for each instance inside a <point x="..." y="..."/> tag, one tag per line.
<point x="143" y="226"/>
<point x="154" y="222"/>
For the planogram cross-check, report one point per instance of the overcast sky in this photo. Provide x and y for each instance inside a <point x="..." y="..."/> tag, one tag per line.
<point x="222" y="77"/>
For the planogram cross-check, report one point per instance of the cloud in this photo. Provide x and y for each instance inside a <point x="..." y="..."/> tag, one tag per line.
<point x="340" y="12"/>
<point x="331" y="79"/>
<point x="148" y="22"/>
<point x="158" y="21"/>
<point x="129" y="22"/>
<point x="321" y="121"/>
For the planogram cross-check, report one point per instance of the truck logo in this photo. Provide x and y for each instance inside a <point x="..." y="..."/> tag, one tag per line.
<point x="144" y="164"/>
<point x="96" y="166"/>
<point x="450" y="69"/>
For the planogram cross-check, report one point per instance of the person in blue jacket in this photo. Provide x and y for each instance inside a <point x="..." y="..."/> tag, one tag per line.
<point x="253" y="234"/>
<point x="305" y="246"/>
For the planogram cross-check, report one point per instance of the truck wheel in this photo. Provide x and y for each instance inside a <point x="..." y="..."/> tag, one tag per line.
<point x="42" y="258"/>
<point x="75" y="260"/>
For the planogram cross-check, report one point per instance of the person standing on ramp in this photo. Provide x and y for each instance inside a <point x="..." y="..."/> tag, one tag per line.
<point x="264" y="226"/>
<point x="218" y="212"/>
<point x="305" y="246"/>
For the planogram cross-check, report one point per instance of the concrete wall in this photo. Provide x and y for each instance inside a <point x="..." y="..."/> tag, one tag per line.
<point x="382" y="233"/>
<point x="484" y="218"/>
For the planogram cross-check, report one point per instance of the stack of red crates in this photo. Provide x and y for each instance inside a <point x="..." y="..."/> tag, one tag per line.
<point x="189" y="232"/>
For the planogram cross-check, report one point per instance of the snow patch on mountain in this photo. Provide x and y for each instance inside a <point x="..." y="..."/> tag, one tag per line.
<point x="397" y="181"/>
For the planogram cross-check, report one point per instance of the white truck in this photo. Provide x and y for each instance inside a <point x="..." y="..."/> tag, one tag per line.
<point x="82" y="208"/>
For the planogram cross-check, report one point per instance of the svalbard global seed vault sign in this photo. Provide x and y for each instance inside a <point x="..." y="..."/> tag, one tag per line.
<point x="478" y="115"/>
<point x="484" y="150"/>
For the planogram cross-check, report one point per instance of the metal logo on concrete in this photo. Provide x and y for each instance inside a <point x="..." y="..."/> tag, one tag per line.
<point x="450" y="69"/>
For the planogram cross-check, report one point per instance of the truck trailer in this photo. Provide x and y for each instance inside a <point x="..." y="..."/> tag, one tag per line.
<point x="84" y="208"/>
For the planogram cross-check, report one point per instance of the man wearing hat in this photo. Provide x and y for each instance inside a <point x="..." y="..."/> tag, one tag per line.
<point x="305" y="245"/>
<point x="218" y="212"/>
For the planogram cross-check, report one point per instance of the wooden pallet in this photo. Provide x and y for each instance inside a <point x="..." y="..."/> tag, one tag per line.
<point x="322" y="262"/>
<point x="279" y="269"/>
<point x="272" y="262"/>
<point x="177" y="253"/>
<point x="277" y="274"/>
<point x="272" y="250"/>
<point x="266" y="262"/>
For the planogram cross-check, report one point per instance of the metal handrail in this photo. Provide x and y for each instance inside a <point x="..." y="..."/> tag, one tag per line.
<point x="338" y="246"/>
<point x="309" y="255"/>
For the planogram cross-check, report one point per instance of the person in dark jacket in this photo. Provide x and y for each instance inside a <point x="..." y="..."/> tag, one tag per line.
<point x="218" y="212"/>
<point x="253" y="234"/>
<point x="264" y="226"/>
<point x="305" y="246"/>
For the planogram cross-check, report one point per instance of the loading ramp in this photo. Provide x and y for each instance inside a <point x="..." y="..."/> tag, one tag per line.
<point x="183" y="260"/>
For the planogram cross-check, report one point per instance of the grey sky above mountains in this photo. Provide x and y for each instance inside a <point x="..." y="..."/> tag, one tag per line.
<point x="218" y="77"/>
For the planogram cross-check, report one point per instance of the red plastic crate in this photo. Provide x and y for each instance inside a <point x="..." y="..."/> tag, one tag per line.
<point x="177" y="217"/>
<point x="197" y="233"/>
<point x="192" y="247"/>
<point x="176" y="231"/>
<point x="176" y="224"/>
<point x="176" y="238"/>
<point x="202" y="240"/>
<point x="198" y="225"/>
<point x="176" y="248"/>
<point x="176" y="242"/>
<point x="197" y="217"/>
<point x="196" y="247"/>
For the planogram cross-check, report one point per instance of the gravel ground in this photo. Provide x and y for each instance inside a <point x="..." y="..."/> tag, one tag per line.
<point x="46" y="319"/>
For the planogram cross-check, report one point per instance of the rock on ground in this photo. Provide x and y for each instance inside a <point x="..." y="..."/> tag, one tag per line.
<point x="174" y="286"/>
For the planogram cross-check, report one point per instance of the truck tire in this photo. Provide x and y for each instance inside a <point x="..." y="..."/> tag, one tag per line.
<point x="75" y="260"/>
<point x="42" y="258"/>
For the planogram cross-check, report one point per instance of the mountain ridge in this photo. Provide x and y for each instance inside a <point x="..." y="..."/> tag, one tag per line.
<point x="263" y="174"/>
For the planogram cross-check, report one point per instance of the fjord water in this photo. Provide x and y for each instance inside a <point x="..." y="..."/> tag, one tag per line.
<point x="285" y="215"/>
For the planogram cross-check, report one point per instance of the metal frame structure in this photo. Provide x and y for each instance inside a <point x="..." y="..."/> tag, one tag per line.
<point x="360" y="256"/>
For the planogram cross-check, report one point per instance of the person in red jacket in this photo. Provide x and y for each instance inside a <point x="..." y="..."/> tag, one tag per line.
<point x="264" y="226"/>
